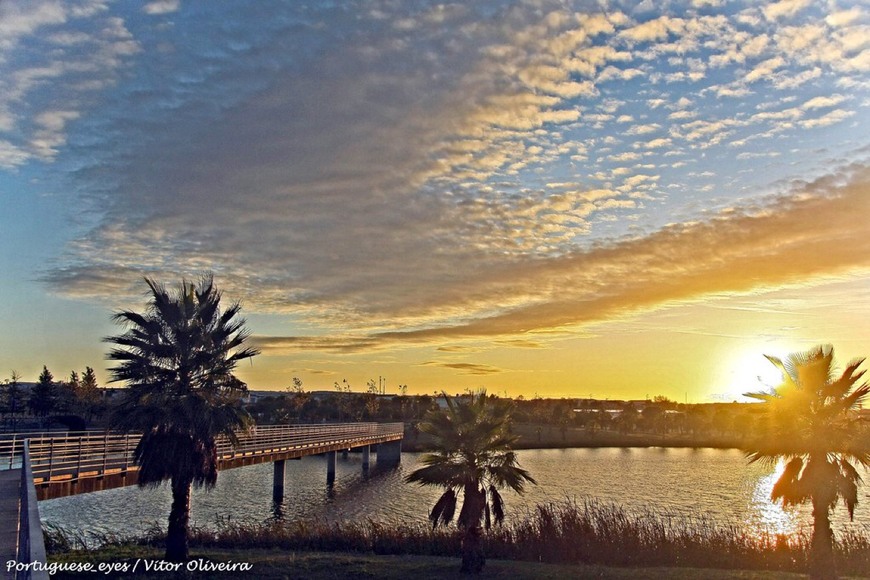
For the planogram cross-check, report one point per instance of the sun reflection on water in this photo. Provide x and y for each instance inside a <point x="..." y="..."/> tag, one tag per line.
<point x="767" y="516"/>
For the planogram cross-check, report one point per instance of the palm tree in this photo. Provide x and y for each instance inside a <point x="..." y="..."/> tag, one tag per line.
<point x="178" y="360"/>
<point x="473" y="455"/>
<point x="810" y="424"/>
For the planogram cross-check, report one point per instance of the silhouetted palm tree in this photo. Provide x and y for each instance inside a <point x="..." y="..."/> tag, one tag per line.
<point x="178" y="360"/>
<point x="811" y="424"/>
<point x="473" y="456"/>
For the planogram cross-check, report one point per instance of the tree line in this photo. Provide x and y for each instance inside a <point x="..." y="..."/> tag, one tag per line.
<point x="75" y="402"/>
<point x="79" y="402"/>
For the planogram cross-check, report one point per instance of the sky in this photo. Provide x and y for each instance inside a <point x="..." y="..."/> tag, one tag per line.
<point x="541" y="198"/>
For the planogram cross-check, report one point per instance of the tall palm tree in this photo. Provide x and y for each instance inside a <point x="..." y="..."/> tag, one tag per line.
<point x="178" y="360"/>
<point x="810" y="424"/>
<point x="472" y="456"/>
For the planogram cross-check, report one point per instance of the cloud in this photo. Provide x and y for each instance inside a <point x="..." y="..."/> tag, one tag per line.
<point x="385" y="177"/>
<point x="764" y="69"/>
<point x="643" y="129"/>
<point x="653" y="30"/>
<point x="655" y="143"/>
<point x="807" y="236"/>
<point x="467" y="368"/>
<point x="784" y="8"/>
<point x="844" y="17"/>
<point x="823" y="102"/>
<point x="51" y="73"/>
<point x="830" y="118"/>
<point x="161" y="7"/>
<point x="521" y="343"/>
<point x="21" y="19"/>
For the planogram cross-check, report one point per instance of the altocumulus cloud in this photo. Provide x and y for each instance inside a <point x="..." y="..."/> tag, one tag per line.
<point x="807" y="236"/>
<point x="392" y="174"/>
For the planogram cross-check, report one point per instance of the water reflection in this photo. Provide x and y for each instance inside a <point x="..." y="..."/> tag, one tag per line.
<point x="277" y="510"/>
<point x="769" y="515"/>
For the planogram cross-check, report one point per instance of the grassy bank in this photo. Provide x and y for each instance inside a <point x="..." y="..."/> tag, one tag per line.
<point x="280" y="564"/>
<point x="587" y="534"/>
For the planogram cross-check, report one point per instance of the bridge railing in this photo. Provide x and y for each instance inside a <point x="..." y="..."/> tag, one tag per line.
<point x="79" y="454"/>
<point x="12" y="446"/>
<point x="31" y="545"/>
<point x="271" y="438"/>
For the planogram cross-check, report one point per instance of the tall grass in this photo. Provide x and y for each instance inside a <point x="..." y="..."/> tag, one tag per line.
<point x="589" y="532"/>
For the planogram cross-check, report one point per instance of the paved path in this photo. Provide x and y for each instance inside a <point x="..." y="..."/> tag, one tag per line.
<point x="10" y="481"/>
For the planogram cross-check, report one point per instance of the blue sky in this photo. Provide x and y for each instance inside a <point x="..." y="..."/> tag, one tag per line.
<point x="499" y="194"/>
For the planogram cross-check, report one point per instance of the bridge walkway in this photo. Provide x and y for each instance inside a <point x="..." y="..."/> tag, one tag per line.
<point x="10" y="482"/>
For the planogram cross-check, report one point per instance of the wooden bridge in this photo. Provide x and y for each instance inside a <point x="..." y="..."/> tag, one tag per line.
<point x="51" y="465"/>
<point x="79" y="462"/>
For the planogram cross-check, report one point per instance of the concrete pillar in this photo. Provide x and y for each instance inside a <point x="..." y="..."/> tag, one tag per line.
<point x="366" y="457"/>
<point x="278" y="481"/>
<point x="330" y="467"/>
<point x="390" y="454"/>
<point x="344" y="453"/>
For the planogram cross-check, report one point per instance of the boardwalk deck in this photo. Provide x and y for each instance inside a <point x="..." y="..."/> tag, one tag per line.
<point x="10" y="481"/>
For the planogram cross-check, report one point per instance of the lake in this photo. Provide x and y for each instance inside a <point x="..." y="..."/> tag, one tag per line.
<point x="714" y="483"/>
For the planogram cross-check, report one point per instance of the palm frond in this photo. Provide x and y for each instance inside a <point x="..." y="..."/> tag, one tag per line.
<point x="847" y="380"/>
<point x="788" y="488"/>
<point x="849" y="478"/>
<point x="438" y="471"/>
<point x="497" y="504"/>
<point x="443" y="509"/>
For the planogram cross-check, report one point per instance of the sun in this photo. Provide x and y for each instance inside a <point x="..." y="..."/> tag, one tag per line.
<point x="749" y="371"/>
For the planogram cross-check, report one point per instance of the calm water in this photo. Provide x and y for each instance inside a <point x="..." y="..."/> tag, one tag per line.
<point x="681" y="482"/>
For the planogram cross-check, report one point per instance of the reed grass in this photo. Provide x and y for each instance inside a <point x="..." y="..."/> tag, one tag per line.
<point x="567" y="532"/>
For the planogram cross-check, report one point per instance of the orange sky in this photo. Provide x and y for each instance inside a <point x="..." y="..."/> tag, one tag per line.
<point x="687" y="312"/>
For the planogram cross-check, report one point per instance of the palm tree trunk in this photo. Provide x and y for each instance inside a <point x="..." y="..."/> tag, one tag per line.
<point x="822" y="549"/>
<point x="179" y="520"/>
<point x="473" y="558"/>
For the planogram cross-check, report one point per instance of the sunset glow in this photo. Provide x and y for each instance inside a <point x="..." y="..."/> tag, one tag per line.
<point x="543" y="198"/>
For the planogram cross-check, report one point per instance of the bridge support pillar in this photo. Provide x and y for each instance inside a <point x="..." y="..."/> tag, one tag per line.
<point x="330" y="467"/>
<point x="390" y="453"/>
<point x="366" y="457"/>
<point x="278" y="480"/>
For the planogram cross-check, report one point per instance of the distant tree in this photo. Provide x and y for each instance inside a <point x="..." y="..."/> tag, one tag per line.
<point x="177" y="360"/>
<point x="89" y="393"/>
<point x="42" y="396"/>
<point x="664" y="402"/>
<point x="653" y="418"/>
<point x="371" y="398"/>
<point x="344" y="401"/>
<point x="74" y="382"/>
<point x="297" y="398"/>
<point x="14" y="399"/>
<point x="473" y="455"/>
<point x="67" y="394"/>
<point x="811" y="424"/>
